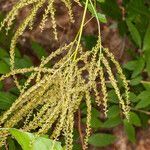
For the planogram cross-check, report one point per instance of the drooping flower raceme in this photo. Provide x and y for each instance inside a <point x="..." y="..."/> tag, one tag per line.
<point x="58" y="91"/>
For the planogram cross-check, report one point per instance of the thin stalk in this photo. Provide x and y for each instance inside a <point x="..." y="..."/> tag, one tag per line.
<point x="81" y="29"/>
<point x="141" y="111"/>
<point x="99" y="31"/>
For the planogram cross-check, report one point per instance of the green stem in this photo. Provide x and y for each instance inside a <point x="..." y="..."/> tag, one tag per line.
<point x="99" y="31"/>
<point x="141" y="111"/>
<point x="81" y="29"/>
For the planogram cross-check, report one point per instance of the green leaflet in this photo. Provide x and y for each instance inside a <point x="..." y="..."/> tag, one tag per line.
<point x="146" y="48"/>
<point x="101" y="140"/>
<point x="134" y="33"/>
<point x="29" y="141"/>
<point x="130" y="130"/>
<point x="6" y="100"/>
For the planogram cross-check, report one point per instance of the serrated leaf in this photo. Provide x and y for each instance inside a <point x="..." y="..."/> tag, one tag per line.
<point x="24" y="62"/>
<point x="146" y="48"/>
<point x="101" y="140"/>
<point x="144" y="119"/>
<point x="136" y="80"/>
<point x="38" y="50"/>
<point x="147" y="58"/>
<point x="94" y="112"/>
<point x="4" y="68"/>
<point x="112" y="97"/>
<point x="134" y="33"/>
<point x="133" y="98"/>
<point x="101" y="17"/>
<point x="143" y="103"/>
<point x="130" y="130"/>
<point x="113" y="111"/>
<point x="143" y="95"/>
<point x="138" y="68"/>
<point x="146" y="85"/>
<point x="146" y="42"/>
<point x="134" y="119"/>
<point x="144" y="98"/>
<point x="95" y="122"/>
<point x="17" y="53"/>
<point x="137" y="7"/>
<point x="112" y="122"/>
<point x="3" y="53"/>
<point x="6" y="100"/>
<point x="111" y="9"/>
<point x="130" y="65"/>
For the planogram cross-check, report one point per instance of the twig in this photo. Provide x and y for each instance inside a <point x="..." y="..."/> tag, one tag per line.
<point x="147" y="82"/>
<point x="79" y="128"/>
<point x="6" y="146"/>
<point x="142" y="111"/>
<point x="123" y="47"/>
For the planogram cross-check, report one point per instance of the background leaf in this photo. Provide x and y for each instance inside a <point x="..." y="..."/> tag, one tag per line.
<point x="130" y="130"/>
<point x="101" y="139"/>
<point x="6" y="100"/>
<point x="146" y="48"/>
<point x="113" y="111"/>
<point x="4" y="68"/>
<point x="38" y="50"/>
<point x="134" y="119"/>
<point x="134" y="33"/>
<point x="112" y="122"/>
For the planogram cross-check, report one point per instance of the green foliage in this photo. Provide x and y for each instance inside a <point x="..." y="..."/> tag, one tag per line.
<point x="113" y="111"/>
<point x="89" y="41"/>
<point x="146" y="48"/>
<point x="136" y="69"/>
<point x="134" y="33"/>
<point x="136" y="80"/>
<point x="38" y="50"/>
<point x="130" y="130"/>
<point x="11" y="144"/>
<point x="1" y="85"/>
<point x="101" y="17"/>
<point x="3" y="53"/>
<point x="101" y="140"/>
<point x="112" y="122"/>
<point x="111" y="9"/>
<point x="30" y="141"/>
<point x="6" y="100"/>
<point x="136" y="26"/>
<point x="24" y="62"/>
<point x="134" y="119"/>
<point x="4" y="67"/>
<point x="95" y="121"/>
